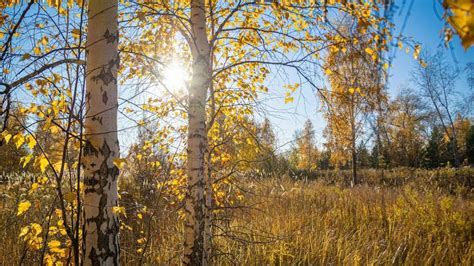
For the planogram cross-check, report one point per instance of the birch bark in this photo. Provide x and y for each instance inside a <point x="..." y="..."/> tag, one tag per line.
<point x="195" y="208"/>
<point x="101" y="224"/>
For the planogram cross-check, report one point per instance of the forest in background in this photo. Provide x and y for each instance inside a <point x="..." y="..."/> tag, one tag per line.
<point x="206" y="179"/>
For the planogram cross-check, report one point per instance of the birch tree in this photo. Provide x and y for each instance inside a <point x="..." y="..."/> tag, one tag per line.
<point x="197" y="137"/>
<point x="353" y="77"/>
<point x="307" y="150"/>
<point x="101" y="224"/>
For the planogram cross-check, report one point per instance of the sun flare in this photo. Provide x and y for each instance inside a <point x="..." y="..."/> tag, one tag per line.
<point x="175" y="77"/>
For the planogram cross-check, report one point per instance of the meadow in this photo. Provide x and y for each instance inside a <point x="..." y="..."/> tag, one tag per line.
<point x="400" y="219"/>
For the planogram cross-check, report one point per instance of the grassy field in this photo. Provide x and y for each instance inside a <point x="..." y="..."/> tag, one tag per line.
<point x="283" y="221"/>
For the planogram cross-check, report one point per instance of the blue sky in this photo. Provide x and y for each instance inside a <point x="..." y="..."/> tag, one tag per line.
<point x="423" y="25"/>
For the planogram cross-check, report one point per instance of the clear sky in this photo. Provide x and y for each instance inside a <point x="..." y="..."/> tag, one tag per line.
<point x="424" y="24"/>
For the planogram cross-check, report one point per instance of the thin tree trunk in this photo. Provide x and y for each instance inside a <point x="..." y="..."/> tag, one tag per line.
<point x="355" y="181"/>
<point x="195" y="207"/>
<point x="208" y="217"/>
<point x="101" y="224"/>
<point x="453" y="140"/>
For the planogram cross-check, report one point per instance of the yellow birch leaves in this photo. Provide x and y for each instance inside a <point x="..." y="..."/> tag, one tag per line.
<point x="461" y="19"/>
<point x="31" y="234"/>
<point x="292" y="89"/>
<point x="23" y="207"/>
<point x="42" y="163"/>
<point x="119" y="162"/>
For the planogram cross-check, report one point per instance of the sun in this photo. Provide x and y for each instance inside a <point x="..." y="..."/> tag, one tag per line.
<point x="175" y="77"/>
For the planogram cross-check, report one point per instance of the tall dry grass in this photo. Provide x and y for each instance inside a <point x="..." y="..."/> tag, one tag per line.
<point x="312" y="224"/>
<point x="283" y="221"/>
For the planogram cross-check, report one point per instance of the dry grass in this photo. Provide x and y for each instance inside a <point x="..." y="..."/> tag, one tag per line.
<point x="310" y="223"/>
<point x="289" y="222"/>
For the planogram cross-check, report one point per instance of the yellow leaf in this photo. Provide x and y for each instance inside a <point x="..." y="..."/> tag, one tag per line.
<point x="400" y="44"/>
<point x="19" y="139"/>
<point x="55" y="129"/>
<point x="385" y="66"/>
<point x="31" y="141"/>
<point x="53" y="230"/>
<point x="369" y="50"/>
<point x="43" y="163"/>
<point x="416" y="53"/>
<point x="23" y="207"/>
<point x="59" y="213"/>
<point x="37" y="51"/>
<point x="7" y="138"/>
<point x="462" y="20"/>
<point x="76" y="33"/>
<point x="57" y="165"/>
<point x="34" y="186"/>
<point x="24" y="230"/>
<point x="60" y="251"/>
<point x="43" y="180"/>
<point x="328" y="71"/>
<point x="36" y="229"/>
<point x="119" y="210"/>
<point x="25" y="56"/>
<point x="289" y="100"/>
<point x="26" y="159"/>
<point x="54" y="244"/>
<point x="44" y="40"/>
<point x="119" y="162"/>
<point x="351" y="90"/>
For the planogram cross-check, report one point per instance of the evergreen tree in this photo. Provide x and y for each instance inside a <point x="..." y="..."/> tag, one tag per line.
<point x="364" y="157"/>
<point x="434" y="149"/>
<point x="470" y="145"/>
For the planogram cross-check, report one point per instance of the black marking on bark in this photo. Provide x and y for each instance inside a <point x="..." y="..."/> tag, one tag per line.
<point x="114" y="62"/>
<point x="110" y="37"/>
<point x="115" y="172"/>
<point x="94" y="258"/>
<point x="197" y="135"/>
<point x="95" y="184"/>
<point x="104" y="97"/>
<point x="105" y="150"/>
<point x="89" y="149"/>
<point x="91" y="181"/>
<point x="105" y="76"/>
<point x="97" y="118"/>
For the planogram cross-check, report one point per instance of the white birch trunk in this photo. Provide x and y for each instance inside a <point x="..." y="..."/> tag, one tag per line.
<point x="101" y="224"/>
<point x="208" y="217"/>
<point x="195" y="207"/>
